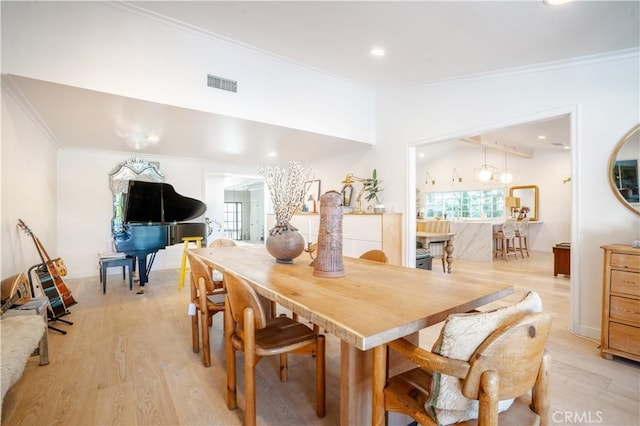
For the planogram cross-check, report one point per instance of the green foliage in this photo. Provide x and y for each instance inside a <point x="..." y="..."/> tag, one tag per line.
<point x="372" y="187"/>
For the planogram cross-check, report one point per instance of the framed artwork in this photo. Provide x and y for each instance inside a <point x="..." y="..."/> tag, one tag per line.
<point x="311" y="196"/>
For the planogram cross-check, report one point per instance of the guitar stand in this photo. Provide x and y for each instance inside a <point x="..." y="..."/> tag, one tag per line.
<point x="61" y="320"/>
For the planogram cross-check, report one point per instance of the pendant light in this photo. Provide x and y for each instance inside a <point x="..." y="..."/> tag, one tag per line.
<point x="506" y="177"/>
<point x="486" y="171"/>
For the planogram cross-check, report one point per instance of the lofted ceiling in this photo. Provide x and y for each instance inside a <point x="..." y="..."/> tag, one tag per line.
<point x="425" y="41"/>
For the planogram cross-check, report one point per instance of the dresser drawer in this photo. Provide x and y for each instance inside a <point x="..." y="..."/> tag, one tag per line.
<point x="623" y="260"/>
<point x="624" y="338"/>
<point x="625" y="282"/>
<point x="625" y="310"/>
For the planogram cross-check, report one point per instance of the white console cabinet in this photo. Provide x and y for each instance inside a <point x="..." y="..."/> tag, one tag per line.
<point x="360" y="232"/>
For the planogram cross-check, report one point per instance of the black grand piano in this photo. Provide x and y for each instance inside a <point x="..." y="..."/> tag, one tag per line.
<point x="151" y="215"/>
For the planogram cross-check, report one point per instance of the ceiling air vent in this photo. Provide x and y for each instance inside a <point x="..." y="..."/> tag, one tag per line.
<point x="222" y="83"/>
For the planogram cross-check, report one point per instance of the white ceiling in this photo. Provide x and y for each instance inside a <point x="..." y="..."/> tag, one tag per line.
<point x="425" y="41"/>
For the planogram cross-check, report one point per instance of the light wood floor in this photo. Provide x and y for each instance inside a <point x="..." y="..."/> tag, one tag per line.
<point x="127" y="360"/>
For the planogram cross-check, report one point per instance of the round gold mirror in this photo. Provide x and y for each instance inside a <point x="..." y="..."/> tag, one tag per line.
<point x="623" y="170"/>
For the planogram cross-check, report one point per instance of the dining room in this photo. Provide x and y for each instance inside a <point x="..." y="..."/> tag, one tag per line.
<point x="143" y="380"/>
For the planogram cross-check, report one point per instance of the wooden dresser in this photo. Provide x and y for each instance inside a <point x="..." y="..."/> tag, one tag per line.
<point x="621" y="302"/>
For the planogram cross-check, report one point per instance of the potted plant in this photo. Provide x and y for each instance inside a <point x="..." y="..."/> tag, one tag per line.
<point x="373" y="189"/>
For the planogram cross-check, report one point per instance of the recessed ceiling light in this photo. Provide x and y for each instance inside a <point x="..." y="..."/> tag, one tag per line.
<point x="153" y="138"/>
<point x="542" y="137"/>
<point x="555" y="2"/>
<point x="272" y="154"/>
<point x="377" y="51"/>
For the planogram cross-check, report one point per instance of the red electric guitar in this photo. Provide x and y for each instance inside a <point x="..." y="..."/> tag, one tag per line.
<point x="55" y="289"/>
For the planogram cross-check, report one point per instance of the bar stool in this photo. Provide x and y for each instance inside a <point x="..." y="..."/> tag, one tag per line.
<point x="108" y="262"/>
<point x="183" y="266"/>
<point x="505" y="240"/>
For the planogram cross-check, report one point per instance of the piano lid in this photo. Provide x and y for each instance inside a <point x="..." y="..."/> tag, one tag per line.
<point x="158" y="202"/>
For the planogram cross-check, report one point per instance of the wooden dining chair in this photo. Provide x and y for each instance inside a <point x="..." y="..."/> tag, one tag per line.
<point x="222" y="242"/>
<point x="375" y="255"/>
<point x="208" y="301"/>
<point x="216" y="276"/>
<point x="522" y="235"/>
<point x="250" y="330"/>
<point x="505" y="240"/>
<point x="481" y="369"/>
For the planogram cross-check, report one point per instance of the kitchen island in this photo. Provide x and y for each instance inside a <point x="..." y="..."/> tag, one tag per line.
<point x="474" y="238"/>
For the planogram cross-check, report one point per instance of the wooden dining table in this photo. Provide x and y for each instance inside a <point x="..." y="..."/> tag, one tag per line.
<point x="439" y="237"/>
<point x="374" y="303"/>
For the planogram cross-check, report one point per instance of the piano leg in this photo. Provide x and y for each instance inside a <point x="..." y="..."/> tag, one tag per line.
<point x="144" y="267"/>
<point x="142" y="270"/>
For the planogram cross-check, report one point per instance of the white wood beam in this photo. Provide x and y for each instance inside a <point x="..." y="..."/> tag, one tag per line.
<point x="500" y="145"/>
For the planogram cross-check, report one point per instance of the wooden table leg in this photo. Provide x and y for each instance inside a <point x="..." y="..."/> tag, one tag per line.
<point x="356" y="370"/>
<point x="448" y="248"/>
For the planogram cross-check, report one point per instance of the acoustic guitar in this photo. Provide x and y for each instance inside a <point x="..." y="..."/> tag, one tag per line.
<point x="55" y="289"/>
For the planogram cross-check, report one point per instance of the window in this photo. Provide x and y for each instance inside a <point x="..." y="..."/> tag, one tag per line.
<point x="233" y="220"/>
<point x="487" y="203"/>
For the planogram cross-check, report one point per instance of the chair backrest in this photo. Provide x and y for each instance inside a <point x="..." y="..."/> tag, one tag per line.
<point x="434" y="226"/>
<point x="523" y="227"/>
<point x="460" y="338"/>
<point x="199" y="270"/>
<point x="509" y="228"/>
<point x="222" y="242"/>
<point x="240" y="296"/>
<point x="375" y="255"/>
<point x="514" y="351"/>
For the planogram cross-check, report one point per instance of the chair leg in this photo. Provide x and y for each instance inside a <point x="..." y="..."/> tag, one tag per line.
<point x="488" y="399"/>
<point x="249" y="368"/>
<point x="194" y="333"/>
<point x="284" y="367"/>
<point x="505" y="249"/>
<point x="232" y="399"/>
<point x="206" y="349"/>
<point x="540" y="392"/>
<point x="526" y="244"/>
<point x="321" y="404"/>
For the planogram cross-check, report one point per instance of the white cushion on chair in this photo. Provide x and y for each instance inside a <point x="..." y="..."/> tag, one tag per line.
<point x="460" y="337"/>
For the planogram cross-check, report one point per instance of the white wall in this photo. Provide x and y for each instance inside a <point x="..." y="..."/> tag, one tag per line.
<point x="214" y="199"/>
<point x="111" y="48"/>
<point x="29" y="189"/>
<point x="603" y="97"/>
<point x="547" y="169"/>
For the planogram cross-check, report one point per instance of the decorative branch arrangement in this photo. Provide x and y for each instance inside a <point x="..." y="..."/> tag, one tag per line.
<point x="287" y="189"/>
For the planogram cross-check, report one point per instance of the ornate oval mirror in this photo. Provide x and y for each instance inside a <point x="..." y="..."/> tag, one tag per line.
<point x="528" y="195"/>
<point x="623" y="170"/>
<point x="132" y="169"/>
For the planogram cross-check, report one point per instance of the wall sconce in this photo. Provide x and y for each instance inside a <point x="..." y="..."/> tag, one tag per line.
<point x="429" y="180"/>
<point x="456" y="177"/>
<point x="347" y="191"/>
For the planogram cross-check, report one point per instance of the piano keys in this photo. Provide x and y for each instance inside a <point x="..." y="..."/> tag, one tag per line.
<point x="152" y="216"/>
